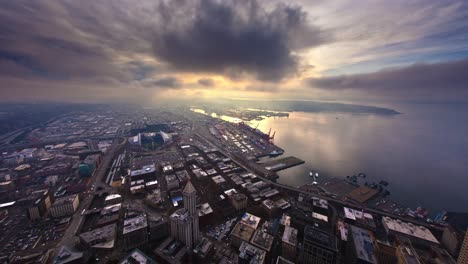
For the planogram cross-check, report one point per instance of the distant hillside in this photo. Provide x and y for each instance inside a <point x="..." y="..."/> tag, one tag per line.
<point x="304" y="106"/>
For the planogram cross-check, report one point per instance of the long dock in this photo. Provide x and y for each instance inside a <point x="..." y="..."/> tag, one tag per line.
<point x="281" y="164"/>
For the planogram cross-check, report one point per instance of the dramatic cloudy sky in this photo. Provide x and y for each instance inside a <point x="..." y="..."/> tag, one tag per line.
<point x="148" y="50"/>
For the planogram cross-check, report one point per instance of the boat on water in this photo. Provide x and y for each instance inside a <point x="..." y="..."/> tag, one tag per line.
<point x="275" y="153"/>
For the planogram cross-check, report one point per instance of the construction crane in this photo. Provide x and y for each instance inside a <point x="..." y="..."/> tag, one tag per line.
<point x="272" y="138"/>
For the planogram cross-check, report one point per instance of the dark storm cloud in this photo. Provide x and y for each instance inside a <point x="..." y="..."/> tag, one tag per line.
<point x="438" y="80"/>
<point x="261" y="88"/>
<point x="227" y="36"/>
<point x="207" y="82"/>
<point x="38" y="40"/>
<point x="167" y="82"/>
<point x="102" y="43"/>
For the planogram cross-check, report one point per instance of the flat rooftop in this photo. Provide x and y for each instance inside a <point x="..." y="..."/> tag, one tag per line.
<point x="111" y="209"/>
<point x="66" y="199"/>
<point x="113" y="196"/>
<point x="322" y="203"/>
<point x="181" y="214"/>
<point x="137" y="257"/>
<point x="251" y="254"/>
<point x="250" y="220"/>
<point x="171" y="178"/>
<point x="285" y="220"/>
<point x="218" y="179"/>
<point x="362" y="194"/>
<point x="281" y="203"/>
<point x="101" y="235"/>
<point x="242" y="231"/>
<point x="408" y="229"/>
<point x="290" y="236"/>
<point x="321" y="237"/>
<point x="144" y="170"/>
<point x="204" y="209"/>
<point x="239" y="196"/>
<point x="281" y="260"/>
<point x="230" y="192"/>
<point x="320" y="217"/>
<point x="262" y="240"/>
<point x="269" y="204"/>
<point x="363" y="244"/>
<point x="135" y="223"/>
<point x="66" y="255"/>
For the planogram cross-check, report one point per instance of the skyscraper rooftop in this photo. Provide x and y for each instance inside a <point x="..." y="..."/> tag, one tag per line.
<point x="189" y="189"/>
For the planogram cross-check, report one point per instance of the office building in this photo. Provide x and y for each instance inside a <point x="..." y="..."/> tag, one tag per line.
<point x="319" y="247"/>
<point x="171" y="182"/>
<point x="289" y="243"/>
<point x="238" y="201"/>
<point x="250" y="220"/>
<point x="270" y="207"/>
<point x="385" y="252"/>
<point x="249" y="254"/>
<point x="135" y="231"/>
<point x="417" y="234"/>
<point x="262" y="240"/>
<point x="184" y="222"/>
<point x="241" y="233"/>
<point x="360" y="246"/>
<point x="38" y="204"/>
<point x="203" y="248"/>
<point x="158" y="228"/>
<point x="65" y="206"/>
<point x="147" y="173"/>
<point x="113" y="199"/>
<point x="406" y="254"/>
<point x="100" y="238"/>
<point x="320" y="206"/>
<point x="137" y="257"/>
<point x="68" y="256"/>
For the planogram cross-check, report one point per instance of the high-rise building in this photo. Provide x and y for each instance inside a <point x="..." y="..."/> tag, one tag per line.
<point x="463" y="256"/>
<point x="184" y="222"/>
<point x="289" y="243"/>
<point x="360" y="246"/>
<point x="385" y="252"/>
<point x="241" y="233"/>
<point x="238" y="201"/>
<point x="135" y="231"/>
<point x="319" y="247"/>
<point x="65" y="206"/>
<point x="38" y="204"/>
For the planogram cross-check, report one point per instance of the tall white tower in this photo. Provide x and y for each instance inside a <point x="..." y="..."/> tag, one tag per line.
<point x="190" y="204"/>
<point x="184" y="222"/>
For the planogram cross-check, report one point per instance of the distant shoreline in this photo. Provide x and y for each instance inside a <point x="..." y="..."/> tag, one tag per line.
<point x="310" y="106"/>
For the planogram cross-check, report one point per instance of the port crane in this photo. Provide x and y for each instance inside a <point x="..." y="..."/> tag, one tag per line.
<point x="272" y="137"/>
